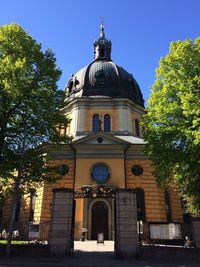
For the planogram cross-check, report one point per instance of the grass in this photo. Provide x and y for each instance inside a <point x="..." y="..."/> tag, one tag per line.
<point x="14" y="242"/>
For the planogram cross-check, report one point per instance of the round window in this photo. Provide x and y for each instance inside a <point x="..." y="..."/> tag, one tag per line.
<point x="99" y="140"/>
<point x="63" y="169"/>
<point x="137" y="170"/>
<point x="100" y="173"/>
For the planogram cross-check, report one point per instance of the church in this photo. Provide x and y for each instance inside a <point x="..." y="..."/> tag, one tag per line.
<point x="105" y="106"/>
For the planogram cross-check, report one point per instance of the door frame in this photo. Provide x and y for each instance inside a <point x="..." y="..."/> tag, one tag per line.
<point x="109" y="217"/>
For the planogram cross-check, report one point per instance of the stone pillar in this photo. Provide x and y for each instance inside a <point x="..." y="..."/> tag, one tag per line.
<point x="60" y="233"/>
<point x="126" y="236"/>
<point x="196" y="231"/>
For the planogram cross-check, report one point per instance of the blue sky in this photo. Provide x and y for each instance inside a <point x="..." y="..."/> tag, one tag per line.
<point x="140" y="30"/>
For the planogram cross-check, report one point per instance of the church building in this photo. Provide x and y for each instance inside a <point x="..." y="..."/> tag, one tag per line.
<point x="105" y="106"/>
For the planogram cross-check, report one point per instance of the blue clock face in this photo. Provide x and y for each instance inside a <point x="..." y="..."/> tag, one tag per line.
<point x="100" y="173"/>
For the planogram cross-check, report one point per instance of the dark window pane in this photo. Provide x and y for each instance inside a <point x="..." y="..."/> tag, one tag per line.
<point x="101" y="79"/>
<point x="102" y="52"/>
<point x="32" y="207"/>
<point x="95" y="123"/>
<point x="141" y="214"/>
<point x="137" y="128"/>
<point x="106" y="123"/>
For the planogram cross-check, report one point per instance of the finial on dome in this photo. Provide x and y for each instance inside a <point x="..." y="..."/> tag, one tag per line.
<point x="102" y="34"/>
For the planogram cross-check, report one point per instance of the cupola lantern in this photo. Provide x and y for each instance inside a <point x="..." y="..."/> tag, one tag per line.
<point x="102" y="46"/>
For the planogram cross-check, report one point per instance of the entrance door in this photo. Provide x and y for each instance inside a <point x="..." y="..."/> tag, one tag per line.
<point x="99" y="220"/>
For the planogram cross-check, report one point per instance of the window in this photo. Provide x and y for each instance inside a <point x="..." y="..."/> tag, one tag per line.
<point x="70" y="86"/>
<point x="141" y="214"/>
<point x="137" y="127"/>
<point x="95" y="123"/>
<point x="137" y="170"/>
<point x="106" y="123"/>
<point x="167" y="206"/>
<point x="32" y="206"/>
<point x="101" y="52"/>
<point x="100" y="173"/>
<point x="100" y="79"/>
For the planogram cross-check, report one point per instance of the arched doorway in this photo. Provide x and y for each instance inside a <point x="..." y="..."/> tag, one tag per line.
<point x="99" y="220"/>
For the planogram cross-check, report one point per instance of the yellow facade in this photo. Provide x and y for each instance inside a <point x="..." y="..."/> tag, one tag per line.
<point x="92" y="111"/>
<point x="119" y="156"/>
<point x="83" y="171"/>
<point x="103" y="151"/>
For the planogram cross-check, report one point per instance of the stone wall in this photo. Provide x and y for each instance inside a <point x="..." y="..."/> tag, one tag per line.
<point x="196" y="231"/>
<point x="60" y="233"/>
<point x="126" y="236"/>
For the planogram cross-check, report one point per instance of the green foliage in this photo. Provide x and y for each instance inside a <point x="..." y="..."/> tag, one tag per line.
<point x="172" y="122"/>
<point x="29" y="107"/>
<point x="15" y="242"/>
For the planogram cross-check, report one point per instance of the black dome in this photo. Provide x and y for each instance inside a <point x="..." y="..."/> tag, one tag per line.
<point x="103" y="77"/>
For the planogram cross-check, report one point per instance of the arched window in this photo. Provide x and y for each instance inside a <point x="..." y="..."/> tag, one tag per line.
<point x="70" y="86"/>
<point x="141" y="214"/>
<point x="106" y="123"/>
<point x="167" y="206"/>
<point x="95" y="123"/>
<point x="101" y="52"/>
<point x="137" y="127"/>
<point x="100" y="78"/>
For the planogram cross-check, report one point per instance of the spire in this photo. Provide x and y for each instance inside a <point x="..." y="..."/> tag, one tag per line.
<point x="102" y="34"/>
<point x="102" y="47"/>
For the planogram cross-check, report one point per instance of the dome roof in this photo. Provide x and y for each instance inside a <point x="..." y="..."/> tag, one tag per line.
<point x="103" y="77"/>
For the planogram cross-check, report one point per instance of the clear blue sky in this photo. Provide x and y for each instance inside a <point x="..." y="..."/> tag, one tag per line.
<point x="140" y="30"/>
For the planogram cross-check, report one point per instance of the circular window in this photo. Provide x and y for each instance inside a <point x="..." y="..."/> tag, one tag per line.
<point x="100" y="173"/>
<point x="137" y="170"/>
<point x="63" y="169"/>
<point x="99" y="140"/>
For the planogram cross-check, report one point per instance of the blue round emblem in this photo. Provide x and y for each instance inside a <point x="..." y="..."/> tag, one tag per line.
<point x="100" y="173"/>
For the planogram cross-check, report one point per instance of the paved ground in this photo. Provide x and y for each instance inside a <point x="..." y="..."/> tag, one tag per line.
<point x="92" y="246"/>
<point x="89" y="254"/>
<point x="88" y="262"/>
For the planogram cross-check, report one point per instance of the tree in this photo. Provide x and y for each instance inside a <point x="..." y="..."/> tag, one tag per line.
<point x="29" y="112"/>
<point x="172" y="121"/>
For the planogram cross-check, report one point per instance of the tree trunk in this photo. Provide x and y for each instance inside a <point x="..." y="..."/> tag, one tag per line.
<point x="16" y="199"/>
<point x="3" y="128"/>
<point x="16" y="192"/>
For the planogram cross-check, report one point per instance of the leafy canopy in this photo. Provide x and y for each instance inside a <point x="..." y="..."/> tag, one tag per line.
<point x="172" y="122"/>
<point x="29" y="106"/>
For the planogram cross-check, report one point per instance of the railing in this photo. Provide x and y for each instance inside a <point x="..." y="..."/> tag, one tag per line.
<point x="24" y="227"/>
<point x="143" y="232"/>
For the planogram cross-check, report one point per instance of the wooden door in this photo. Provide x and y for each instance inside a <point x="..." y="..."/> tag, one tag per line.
<point x="99" y="220"/>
